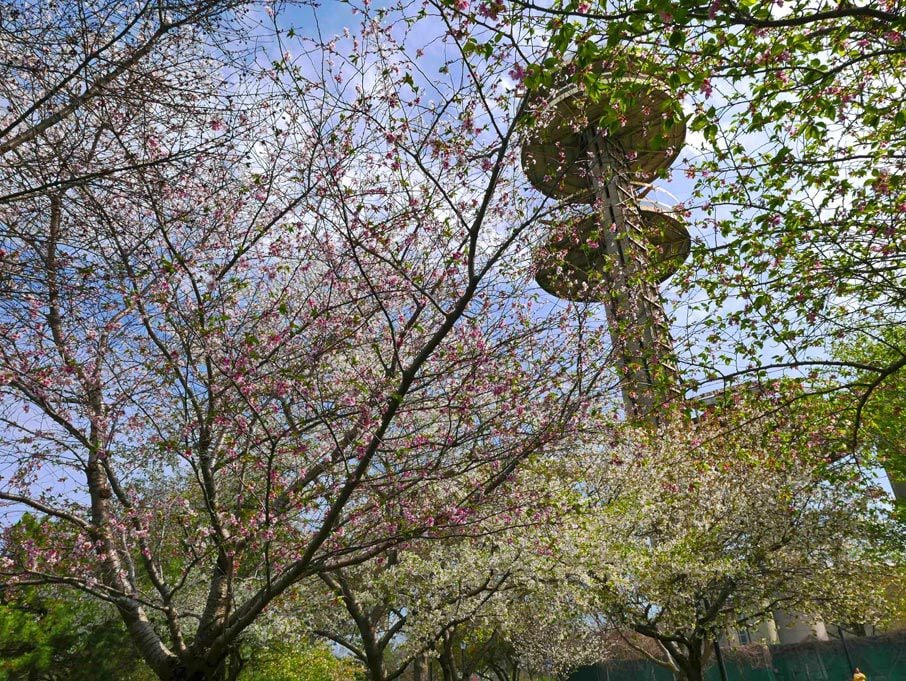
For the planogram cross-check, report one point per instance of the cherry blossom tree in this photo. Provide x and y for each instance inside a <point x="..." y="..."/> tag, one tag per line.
<point x="474" y="588"/>
<point x="264" y="314"/>
<point x="389" y="614"/>
<point x="82" y="79"/>
<point x="693" y="533"/>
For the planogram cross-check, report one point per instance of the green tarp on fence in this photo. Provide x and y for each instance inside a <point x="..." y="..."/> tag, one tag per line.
<point x="881" y="658"/>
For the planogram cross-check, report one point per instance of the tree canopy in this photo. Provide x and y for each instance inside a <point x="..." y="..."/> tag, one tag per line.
<point x="268" y="319"/>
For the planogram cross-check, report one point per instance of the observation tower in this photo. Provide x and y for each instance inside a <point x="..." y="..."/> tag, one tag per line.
<point x="605" y="153"/>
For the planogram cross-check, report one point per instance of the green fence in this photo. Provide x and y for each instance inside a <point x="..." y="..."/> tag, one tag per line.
<point x="881" y="658"/>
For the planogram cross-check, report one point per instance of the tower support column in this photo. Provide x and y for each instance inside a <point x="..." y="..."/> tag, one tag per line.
<point x="639" y="329"/>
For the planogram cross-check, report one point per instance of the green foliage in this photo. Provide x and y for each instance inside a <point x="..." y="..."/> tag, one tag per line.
<point x="880" y="408"/>
<point x="884" y="414"/>
<point x="299" y="663"/>
<point x="45" y="637"/>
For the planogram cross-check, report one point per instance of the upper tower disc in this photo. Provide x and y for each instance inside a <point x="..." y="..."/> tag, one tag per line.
<point x="651" y="131"/>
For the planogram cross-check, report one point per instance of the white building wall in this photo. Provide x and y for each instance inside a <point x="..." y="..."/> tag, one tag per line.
<point x="795" y="628"/>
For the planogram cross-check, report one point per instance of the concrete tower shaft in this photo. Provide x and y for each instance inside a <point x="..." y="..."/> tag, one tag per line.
<point x="569" y="156"/>
<point x="639" y="329"/>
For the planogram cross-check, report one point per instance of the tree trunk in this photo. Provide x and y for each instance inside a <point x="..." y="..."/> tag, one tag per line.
<point x="420" y="668"/>
<point x="199" y="670"/>
<point x="375" y="668"/>
<point x="692" y="664"/>
<point x="690" y="675"/>
<point x="447" y="664"/>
